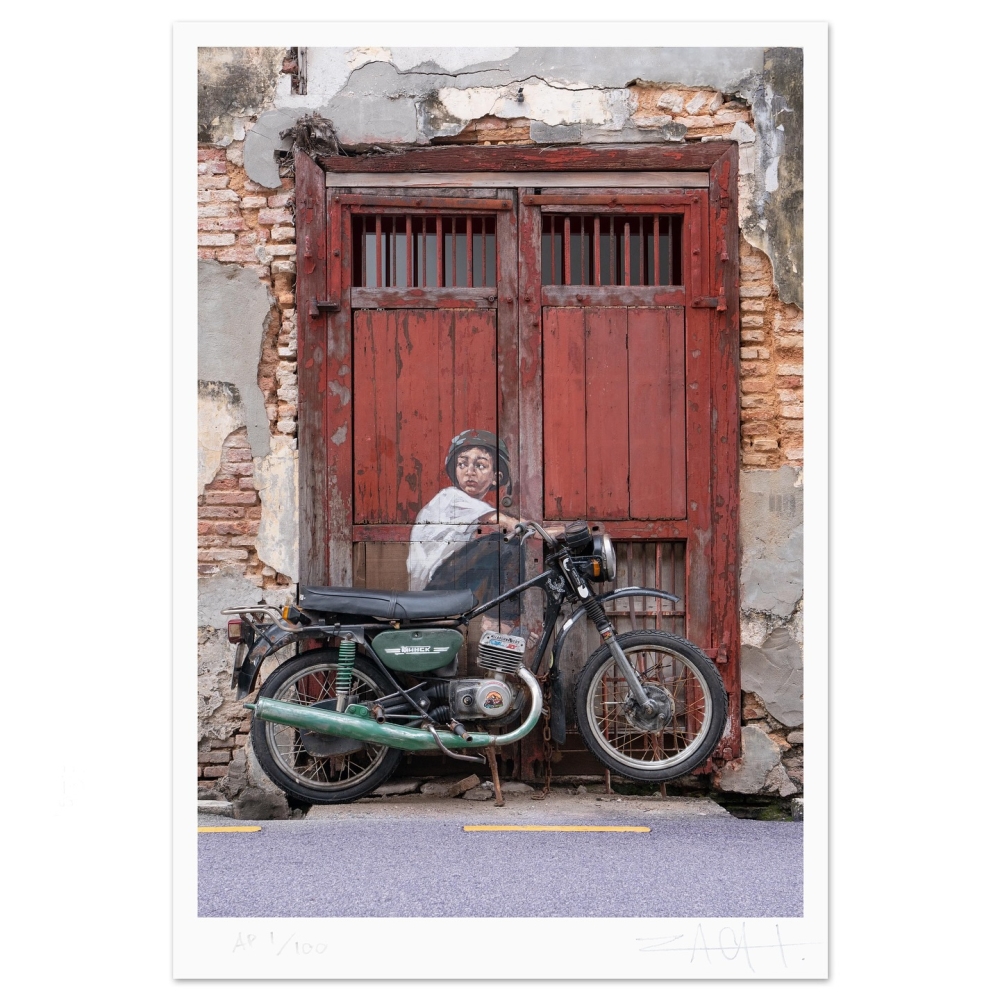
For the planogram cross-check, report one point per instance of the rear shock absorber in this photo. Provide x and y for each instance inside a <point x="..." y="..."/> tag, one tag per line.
<point x="345" y="672"/>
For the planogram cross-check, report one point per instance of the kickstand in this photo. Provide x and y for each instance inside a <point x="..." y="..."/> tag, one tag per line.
<point x="491" y="756"/>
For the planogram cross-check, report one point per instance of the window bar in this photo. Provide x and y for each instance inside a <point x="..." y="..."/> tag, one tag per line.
<point x="597" y="250"/>
<point x="378" y="251"/>
<point x="658" y="584"/>
<point x="656" y="250"/>
<point x="409" y="251"/>
<point x="363" y="225"/>
<point x="552" y="249"/>
<point x="468" y="251"/>
<point x="422" y="276"/>
<point x="567" y="258"/>
<point x="454" y="252"/>
<point x="483" y="254"/>
<point x="628" y="252"/>
<point x="439" y="251"/>
<point x="642" y="254"/>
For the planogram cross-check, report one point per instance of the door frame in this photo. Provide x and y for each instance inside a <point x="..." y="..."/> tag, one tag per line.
<point x="324" y="352"/>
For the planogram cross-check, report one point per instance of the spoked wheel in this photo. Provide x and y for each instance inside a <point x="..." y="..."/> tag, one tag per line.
<point x="311" y="767"/>
<point x="689" y="699"/>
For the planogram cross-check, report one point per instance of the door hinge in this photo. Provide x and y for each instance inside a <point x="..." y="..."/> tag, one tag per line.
<point x="315" y="307"/>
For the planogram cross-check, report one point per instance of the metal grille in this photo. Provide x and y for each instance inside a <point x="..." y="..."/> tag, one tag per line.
<point x="424" y="251"/>
<point x="611" y="250"/>
<point x="658" y="565"/>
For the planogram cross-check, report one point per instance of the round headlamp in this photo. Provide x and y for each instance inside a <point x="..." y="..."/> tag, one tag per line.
<point x="604" y="549"/>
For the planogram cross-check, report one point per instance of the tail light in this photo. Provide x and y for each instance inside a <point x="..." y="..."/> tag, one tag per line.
<point x="235" y="628"/>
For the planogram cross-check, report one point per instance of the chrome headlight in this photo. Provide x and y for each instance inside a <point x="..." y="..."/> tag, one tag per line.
<point x="607" y="554"/>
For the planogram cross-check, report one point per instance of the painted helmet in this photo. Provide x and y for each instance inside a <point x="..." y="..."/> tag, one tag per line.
<point x="486" y="440"/>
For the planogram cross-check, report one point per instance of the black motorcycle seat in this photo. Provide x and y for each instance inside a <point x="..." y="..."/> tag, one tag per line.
<point x="395" y="605"/>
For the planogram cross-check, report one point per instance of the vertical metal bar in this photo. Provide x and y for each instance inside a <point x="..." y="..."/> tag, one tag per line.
<point x="567" y="258"/>
<point x="483" y="222"/>
<point x="552" y="249"/>
<point x="409" y="251"/>
<point x="597" y="249"/>
<point x="454" y="251"/>
<point x="362" y="223"/>
<point x="627" y="263"/>
<point x="423" y="255"/>
<point x="659" y="576"/>
<point x="468" y="251"/>
<point x="378" y="251"/>
<point x="642" y="251"/>
<point x="439" y="251"/>
<point x="656" y="250"/>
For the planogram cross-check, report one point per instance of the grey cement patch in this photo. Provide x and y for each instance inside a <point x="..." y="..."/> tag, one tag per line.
<point x="749" y="774"/>
<point x="276" y="479"/>
<point x="263" y="139"/>
<point x="771" y="536"/>
<point x="233" y="310"/>
<point x="774" y="673"/>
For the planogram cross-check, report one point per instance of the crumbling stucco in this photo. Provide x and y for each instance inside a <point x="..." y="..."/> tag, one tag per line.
<point x="759" y="770"/>
<point x="233" y="85"/>
<point x="384" y="97"/>
<point x="771" y="537"/>
<point x="234" y="308"/>
<point x="220" y="412"/>
<point x="773" y="671"/>
<point x="276" y="478"/>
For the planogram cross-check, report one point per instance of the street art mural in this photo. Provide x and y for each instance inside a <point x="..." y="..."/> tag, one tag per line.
<point x="449" y="548"/>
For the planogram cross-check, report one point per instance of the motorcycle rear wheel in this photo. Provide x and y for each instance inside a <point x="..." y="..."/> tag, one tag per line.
<point x="307" y="777"/>
<point x="680" y="678"/>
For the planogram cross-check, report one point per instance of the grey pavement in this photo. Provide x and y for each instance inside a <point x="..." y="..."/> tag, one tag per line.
<point x="408" y="856"/>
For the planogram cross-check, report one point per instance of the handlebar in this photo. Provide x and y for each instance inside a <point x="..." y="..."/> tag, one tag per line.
<point x="525" y="529"/>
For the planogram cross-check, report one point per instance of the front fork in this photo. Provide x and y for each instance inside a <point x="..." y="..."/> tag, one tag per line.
<point x="597" y="614"/>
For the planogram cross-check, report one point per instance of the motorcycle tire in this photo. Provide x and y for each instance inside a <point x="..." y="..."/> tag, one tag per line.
<point x="305" y="776"/>
<point x="685" y="684"/>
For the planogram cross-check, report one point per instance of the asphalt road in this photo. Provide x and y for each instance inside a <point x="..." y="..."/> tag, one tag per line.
<point x="410" y="857"/>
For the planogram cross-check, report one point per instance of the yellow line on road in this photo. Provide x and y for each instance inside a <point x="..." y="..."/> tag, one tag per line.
<point x="229" y="829"/>
<point x="558" y="829"/>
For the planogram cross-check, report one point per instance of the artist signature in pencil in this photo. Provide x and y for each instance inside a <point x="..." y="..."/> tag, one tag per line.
<point x="727" y="944"/>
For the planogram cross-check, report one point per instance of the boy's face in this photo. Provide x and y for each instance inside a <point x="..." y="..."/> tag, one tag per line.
<point x="474" y="472"/>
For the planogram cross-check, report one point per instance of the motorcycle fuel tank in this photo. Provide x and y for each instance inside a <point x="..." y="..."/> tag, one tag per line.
<point x="417" y="650"/>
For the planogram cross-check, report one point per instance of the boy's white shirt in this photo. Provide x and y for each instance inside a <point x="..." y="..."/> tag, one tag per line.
<point x="442" y="526"/>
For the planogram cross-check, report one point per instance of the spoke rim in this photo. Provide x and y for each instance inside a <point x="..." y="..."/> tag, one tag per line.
<point x="643" y="749"/>
<point x="305" y="768"/>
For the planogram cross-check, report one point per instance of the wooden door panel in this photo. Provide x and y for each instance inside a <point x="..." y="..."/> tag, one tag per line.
<point x="607" y="413"/>
<point x="564" y="414"/>
<point x="421" y="376"/>
<point x="614" y="413"/>
<point x="657" y="487"/>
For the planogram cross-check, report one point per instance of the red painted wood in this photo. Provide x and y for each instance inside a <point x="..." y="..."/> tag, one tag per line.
<point x="380" y="205"/>
<point x="679" y="156"/>
<point x="507" y="373"/>
<point x="375" y="474"/>
<point x="423" y="298"/>
<point x="564" y="410"/>
<point x="311" y="267"/>
<point x="656" y="437"/>
<point x="607" y="412"/>
<point x="699" y="436"/>
<point x="725" y="459"/>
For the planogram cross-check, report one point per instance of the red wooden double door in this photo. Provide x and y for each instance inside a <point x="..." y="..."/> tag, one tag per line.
<point x="589" y="332"/>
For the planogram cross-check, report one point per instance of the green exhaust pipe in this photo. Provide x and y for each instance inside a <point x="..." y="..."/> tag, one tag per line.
<point x="367" y="730"/>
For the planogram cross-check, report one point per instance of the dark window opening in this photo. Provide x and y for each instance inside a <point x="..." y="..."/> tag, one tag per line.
<point x="424" y="251"/>
<point x="611" y="250"/>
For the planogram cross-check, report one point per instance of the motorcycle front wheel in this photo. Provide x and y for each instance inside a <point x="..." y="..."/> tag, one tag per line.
<point x="298" y="762"/>
<point x="684" y="685"/>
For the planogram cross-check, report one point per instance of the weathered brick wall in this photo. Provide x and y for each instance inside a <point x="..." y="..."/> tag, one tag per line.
<point x="770" y="368"/>
<point x="240" y="222"/>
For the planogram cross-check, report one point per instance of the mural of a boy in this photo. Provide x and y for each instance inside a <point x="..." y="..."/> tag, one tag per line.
<point x="446" y="552"/>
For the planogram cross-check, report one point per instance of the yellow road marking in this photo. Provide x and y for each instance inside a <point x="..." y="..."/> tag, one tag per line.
<point x="558" y="829"/>
<point x="228" y="829"/>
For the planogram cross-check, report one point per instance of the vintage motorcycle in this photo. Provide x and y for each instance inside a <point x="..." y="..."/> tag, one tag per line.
<point x="332" y="723"/>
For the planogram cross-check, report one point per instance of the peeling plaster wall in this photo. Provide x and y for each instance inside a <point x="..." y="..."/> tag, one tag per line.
<point x="377" y="96"/>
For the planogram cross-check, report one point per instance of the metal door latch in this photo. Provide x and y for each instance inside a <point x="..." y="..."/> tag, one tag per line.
<point x="315" y="307"/>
